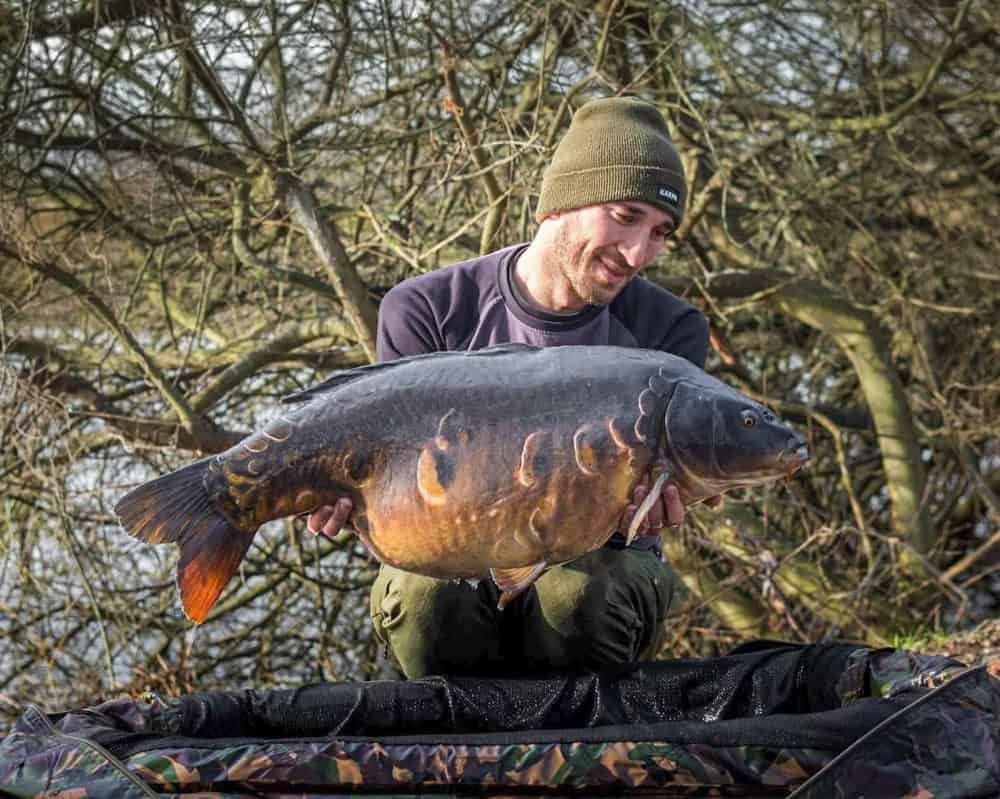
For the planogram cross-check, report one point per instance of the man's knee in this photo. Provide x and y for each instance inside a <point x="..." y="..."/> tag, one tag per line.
<point x="431" y="626"/>
<point x="605" y="609"/>
<point x="623" y="587"/>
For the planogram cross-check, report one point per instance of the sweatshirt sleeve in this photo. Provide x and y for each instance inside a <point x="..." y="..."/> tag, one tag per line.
<point x="406" y="325"/>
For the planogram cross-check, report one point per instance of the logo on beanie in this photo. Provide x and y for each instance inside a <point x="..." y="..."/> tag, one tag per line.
<point x="669" y="194"/>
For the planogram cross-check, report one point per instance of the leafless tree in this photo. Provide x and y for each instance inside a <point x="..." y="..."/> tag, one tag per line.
<point x="202" y="203"/>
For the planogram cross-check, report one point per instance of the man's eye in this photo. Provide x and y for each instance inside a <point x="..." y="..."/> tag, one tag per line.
<point x="624" y="219"/>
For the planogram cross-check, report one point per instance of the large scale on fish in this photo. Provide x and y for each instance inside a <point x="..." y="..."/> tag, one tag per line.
<point x="497" y="462"/>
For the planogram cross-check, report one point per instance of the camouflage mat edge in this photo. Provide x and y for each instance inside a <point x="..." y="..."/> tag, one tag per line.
<point x="945" y="744"/>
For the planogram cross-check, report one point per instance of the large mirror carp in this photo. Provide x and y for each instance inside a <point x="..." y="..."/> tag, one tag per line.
<point x="497" y="462"/>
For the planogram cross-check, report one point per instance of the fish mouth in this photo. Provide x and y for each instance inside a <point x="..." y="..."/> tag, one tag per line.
<point x="793" y="459"/>
<point x="786" y="463"/>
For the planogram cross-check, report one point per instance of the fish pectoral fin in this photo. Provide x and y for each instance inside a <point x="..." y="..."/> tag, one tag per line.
<point x="513" y="582"/>
<point x="647" y="505"/>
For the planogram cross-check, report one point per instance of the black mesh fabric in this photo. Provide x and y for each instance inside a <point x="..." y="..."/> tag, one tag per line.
<point x="764" y="679"/>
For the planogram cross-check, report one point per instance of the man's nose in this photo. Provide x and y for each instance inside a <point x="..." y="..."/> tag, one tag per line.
<point x="637" y="250"/>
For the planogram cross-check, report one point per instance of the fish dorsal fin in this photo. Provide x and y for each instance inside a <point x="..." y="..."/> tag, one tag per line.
<point x="346" y="376"/>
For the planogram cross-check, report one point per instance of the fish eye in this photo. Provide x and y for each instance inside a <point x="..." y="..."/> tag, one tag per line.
<point x="749" y="418"/>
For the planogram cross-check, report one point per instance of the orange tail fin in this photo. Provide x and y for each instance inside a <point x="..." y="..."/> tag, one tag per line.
<point x="176" y="509"/>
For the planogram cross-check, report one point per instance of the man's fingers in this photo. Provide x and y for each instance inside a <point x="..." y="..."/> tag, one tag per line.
<point x="329" y="519"/>
<point x="341" y="511"/>
<point x="627" y="517"/>
<point x="674" y="506"/>
<point x="654" y="519"/>
<point x="638" y="497"/>
<point x="318" y="518"/>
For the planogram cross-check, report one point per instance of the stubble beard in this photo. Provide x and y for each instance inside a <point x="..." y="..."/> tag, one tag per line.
<point x="573" y="263"/>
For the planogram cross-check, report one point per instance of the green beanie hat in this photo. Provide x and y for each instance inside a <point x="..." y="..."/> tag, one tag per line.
<point x="616" y="149"/>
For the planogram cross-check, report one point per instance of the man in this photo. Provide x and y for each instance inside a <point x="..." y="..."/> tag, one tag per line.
<point x="612" y="195"/>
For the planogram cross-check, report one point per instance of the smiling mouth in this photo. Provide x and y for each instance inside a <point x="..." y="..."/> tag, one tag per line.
<point x="616" y="271"/>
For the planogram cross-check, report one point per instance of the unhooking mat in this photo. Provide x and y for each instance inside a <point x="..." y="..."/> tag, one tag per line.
<point x="769" y="719"/>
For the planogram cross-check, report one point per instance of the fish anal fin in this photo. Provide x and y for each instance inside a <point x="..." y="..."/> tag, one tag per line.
<point x="210" y="552"/>
<point x="514" y="582"/>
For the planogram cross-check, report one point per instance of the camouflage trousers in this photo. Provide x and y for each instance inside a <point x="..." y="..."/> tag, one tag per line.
<point x="599" y="612"/>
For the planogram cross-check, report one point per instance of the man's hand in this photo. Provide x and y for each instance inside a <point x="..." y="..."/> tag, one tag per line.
<point x="328" y="519"/>
<point x="668" y="511"/>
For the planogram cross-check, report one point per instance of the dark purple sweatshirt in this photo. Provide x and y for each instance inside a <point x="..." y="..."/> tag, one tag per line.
<point x="476" y="304"/>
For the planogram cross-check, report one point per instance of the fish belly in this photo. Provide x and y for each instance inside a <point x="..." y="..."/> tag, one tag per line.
<point x="462" y="509"/>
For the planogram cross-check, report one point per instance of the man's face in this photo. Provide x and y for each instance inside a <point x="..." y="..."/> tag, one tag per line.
<point x="599" y="248"/>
